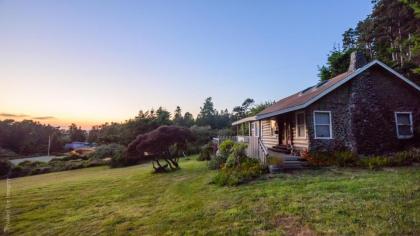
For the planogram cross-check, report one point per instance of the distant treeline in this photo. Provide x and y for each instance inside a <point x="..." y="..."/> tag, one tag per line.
<point x="29" y="137"/>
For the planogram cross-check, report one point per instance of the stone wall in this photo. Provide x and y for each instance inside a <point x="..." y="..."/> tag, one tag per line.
<point x="375" y="96"/>
<point x="362" y="113"/>
<point x="338" y="103"/>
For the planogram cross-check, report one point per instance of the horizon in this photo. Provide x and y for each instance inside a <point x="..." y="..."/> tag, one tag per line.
<point x="61" y="65"/>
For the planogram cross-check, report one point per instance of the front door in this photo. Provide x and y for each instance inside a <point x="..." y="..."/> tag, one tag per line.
<point x="285" y="133"/>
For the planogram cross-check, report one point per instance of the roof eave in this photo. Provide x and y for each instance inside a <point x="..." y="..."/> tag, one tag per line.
<point x="328" y="90"/>
<point x="244" y="120"/>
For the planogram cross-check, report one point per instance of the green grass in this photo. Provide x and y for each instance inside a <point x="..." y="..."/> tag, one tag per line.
<point x="103" y="201"/>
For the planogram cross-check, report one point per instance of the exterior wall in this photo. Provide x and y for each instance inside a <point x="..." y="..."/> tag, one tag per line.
<point x="266" y="137"/>
<point x="337" y="102"/>
<point x="254" y="128"/>
<point x="299" y="143"/>
<point x="376" y="95"/>
<point x="362" y="112"/>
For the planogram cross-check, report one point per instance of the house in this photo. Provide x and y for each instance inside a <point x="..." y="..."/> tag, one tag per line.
<point x="369" y="109"/>
<point x="78" y="145"/>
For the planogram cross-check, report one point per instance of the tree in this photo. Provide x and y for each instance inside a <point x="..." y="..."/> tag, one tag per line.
<point x="188" y="119"/>
<point x="390" y="34"/>
<point x="337" y="63"/>
<point x="76" y="133"/>
<point x="93" y="134"/>
<point x="178" y="118"/>
<point x="207" y="113"/>
<point x="260" y="107"/>
<point x="28" y="137"/>
<point x="163" y="116"/>
<point x="240" y="112"/>
<point x="349" y="39"/>
<point x="164" y="143"/>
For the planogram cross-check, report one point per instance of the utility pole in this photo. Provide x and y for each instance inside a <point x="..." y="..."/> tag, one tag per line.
<point x="49" y="144"/>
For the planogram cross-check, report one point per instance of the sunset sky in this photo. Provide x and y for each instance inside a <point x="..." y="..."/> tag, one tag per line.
<point x="94" y="61"/>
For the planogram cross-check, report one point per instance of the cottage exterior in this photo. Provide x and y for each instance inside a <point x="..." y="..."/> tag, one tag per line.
<point x="369" y="109"/>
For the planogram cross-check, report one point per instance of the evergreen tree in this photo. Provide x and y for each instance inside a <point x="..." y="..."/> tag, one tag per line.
<point x="188" y="119"/>
<point x="178" y="118"/>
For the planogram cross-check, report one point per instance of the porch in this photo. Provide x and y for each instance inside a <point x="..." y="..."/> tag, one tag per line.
<point x="280" y="134"/>
<point x="256" y="149"/>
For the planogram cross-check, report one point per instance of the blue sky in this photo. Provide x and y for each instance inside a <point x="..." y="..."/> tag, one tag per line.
<point x="94" y="61"/>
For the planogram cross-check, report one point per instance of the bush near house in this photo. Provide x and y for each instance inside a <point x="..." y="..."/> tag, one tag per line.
<point x="206" y="152"/>
<point x="348" y="159"/>
<point x="239" y="168"/>
<point x="219" y="160"/>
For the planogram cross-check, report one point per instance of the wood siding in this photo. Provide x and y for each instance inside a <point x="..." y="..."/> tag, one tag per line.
<point x="299" y="143"/>
<point x="266" y="137"/>
<point x="269" y="140"/>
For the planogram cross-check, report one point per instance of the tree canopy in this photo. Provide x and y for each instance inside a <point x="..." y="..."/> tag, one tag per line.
<point x="391" y="33"/>
<point x="163" y="143"/>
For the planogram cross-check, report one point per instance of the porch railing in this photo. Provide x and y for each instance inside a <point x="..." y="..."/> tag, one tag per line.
<point x="256" y="148"/>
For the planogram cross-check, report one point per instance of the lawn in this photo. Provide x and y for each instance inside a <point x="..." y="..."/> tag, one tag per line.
<point x="134" y="201"/>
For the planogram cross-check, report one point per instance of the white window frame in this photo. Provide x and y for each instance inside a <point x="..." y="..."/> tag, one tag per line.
<point x="331" y="134"/>
<point x="273" y="130"/>
<point x="304" y="124"/>
<point x="411" y="124"/>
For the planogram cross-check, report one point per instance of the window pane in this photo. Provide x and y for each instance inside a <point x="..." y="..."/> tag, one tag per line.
<point x="323" y="131"/>
<point x="322" y="118"/>
<point x="403" y="119"/>
<point x="404" y="130"/>
<point x="300" y="119"/>
<point x="301" y="131"/>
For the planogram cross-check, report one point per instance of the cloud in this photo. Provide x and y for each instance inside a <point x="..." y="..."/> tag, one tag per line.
<point x="13" y="115"/>
<point x="43" y="117"/>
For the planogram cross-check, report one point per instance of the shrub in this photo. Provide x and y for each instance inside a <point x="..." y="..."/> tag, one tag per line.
<point x="206" y="152"/>
<point x="5" y="168"/>
<point x="237" y="155"/>
<point x="345" y="158"/>
<point x="120" y="159"/>
<point x="238" y="168"/>
<point x="374" y="162"/>
<point x="248" y="170"/>
<point x="7" y="153"/>
<point x="275" y="161"/>
<point x="217" y="162"/>
<point x="318" y="158"/>
<point x="29" y="168"/>
<point x="225" y="148"/>
<point x="108" y="150"/>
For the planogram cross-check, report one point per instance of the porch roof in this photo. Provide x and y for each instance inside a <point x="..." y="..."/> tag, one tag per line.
<point x="308" y="96"/>
<point x="244" y="120"/>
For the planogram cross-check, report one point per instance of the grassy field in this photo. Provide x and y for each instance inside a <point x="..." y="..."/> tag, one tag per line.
<point x="131" y="200"/>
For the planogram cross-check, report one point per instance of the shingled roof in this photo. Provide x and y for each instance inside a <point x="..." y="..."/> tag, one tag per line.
<point x="308" y="96"/>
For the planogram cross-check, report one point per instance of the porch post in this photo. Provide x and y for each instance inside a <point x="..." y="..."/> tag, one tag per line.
<point x="249" y="128"/>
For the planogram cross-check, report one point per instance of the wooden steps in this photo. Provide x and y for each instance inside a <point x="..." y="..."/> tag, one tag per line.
<point x="280" y="148"/>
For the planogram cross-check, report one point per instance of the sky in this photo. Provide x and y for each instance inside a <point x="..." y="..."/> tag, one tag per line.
<point x="91" y="62"/>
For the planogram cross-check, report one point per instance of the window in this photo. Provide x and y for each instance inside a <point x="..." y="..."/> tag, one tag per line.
<point x="300" y="125"/>
<point x="404" y="124"/>
<point x="273" y="127"/>
<point x="322" y="125"/>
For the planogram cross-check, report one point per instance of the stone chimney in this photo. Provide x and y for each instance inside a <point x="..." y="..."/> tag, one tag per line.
<point x="357" y="60"/>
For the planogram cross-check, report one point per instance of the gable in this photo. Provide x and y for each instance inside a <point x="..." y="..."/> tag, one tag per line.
<point x="308" y="96"/>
